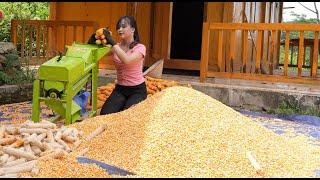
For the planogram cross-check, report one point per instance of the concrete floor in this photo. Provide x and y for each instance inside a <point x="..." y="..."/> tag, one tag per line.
<point x="236" y="83"/>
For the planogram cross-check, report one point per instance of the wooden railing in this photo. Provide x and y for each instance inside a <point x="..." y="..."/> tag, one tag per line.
<point x="225" y="62"/>
<point x="39" y="40"/>
<point x="295" y="43"/>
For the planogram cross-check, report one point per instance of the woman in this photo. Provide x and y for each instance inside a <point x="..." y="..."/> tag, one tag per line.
<point x="128" y="56"/>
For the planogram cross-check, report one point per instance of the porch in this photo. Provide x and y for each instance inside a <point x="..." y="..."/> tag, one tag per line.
<point x="249" y="51"/>
<point x="234" y="60"/>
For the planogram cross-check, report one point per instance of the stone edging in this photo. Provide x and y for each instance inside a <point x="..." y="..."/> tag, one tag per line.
<point x="15" y="93"/>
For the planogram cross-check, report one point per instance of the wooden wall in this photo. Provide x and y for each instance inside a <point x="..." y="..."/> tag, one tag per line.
<point x="105" y="13"/>
<point x="238" y="12"/>
<point x="154" y="24"/>
<point x="161" y="36"/>
<point x="143" y="15"/>
<point x="214" y="14"/>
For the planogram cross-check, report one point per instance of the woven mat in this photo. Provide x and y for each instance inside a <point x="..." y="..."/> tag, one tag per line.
<point x="22" y="111"/>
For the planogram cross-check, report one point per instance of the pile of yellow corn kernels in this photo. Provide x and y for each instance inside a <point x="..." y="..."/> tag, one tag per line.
<point x="181" y="132"/>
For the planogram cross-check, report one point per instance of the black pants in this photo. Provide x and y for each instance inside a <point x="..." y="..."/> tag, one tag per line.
<point x="122" y="97"/>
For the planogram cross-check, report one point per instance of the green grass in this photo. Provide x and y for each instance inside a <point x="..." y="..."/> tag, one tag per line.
<point x="292" y="108"/>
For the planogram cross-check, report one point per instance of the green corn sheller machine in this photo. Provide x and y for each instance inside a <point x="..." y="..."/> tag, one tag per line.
<point x="62" y="77"/>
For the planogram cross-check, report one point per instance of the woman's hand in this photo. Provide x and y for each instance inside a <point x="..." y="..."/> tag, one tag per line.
<point x="127" y="58"/>
<point x="108" y="37"/>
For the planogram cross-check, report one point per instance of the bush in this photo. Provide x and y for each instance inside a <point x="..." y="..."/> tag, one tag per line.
<point x="13" y="73"/>
<point x="21" y="10"/>
<point x="19" y="77"/>
<point x="4" y="78"/>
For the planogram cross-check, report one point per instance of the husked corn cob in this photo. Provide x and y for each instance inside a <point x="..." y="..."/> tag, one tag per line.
<point x="29" y="140"/>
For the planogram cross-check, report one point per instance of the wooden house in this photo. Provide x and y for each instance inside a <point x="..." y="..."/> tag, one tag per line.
<point x="220" y="39"/>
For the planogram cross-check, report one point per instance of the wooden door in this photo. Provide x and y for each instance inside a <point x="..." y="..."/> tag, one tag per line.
<point x="142" y="11"/>
<point x="160" y="31"/>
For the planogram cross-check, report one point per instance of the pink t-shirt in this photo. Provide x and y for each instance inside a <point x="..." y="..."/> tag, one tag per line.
<point x="130" y="74"/>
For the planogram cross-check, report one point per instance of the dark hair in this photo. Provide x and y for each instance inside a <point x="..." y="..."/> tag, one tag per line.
<point x="132" y="22"/>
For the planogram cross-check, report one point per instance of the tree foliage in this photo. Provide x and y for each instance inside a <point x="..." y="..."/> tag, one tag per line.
<point x="302" y="19"/>
<point x="21" y="10"/>
<point x="11" y="73"/>
<point x="299" y="19"/>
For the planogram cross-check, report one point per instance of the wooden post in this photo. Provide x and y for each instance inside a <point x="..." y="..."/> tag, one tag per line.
<point x="54" y="38"/>
<point x="52" y="34"/>
<point x="23" y="37"/>
<point x="74" y="33"/>
<point x="45" y="41"/>
<point x="30" y="28"/>
<point x="314" y="65"/>
<point x="272" y="51"/>
<point x="220" y="50"/>
<point x="38" y="42"/>
<point x="258" y="53"/>
<point x="244" y="51"/>
<point x="65" y="34"/>
<point x="232" y="48"/>
<point x="53" y="11"/>
<point x="14" y="31"/>
<point x="301" y="52"/>
<point x="286" y="53"/>
<point x="204" y="51"/>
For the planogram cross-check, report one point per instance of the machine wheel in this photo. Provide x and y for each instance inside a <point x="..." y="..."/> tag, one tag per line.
<point x="53" y="93"/>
